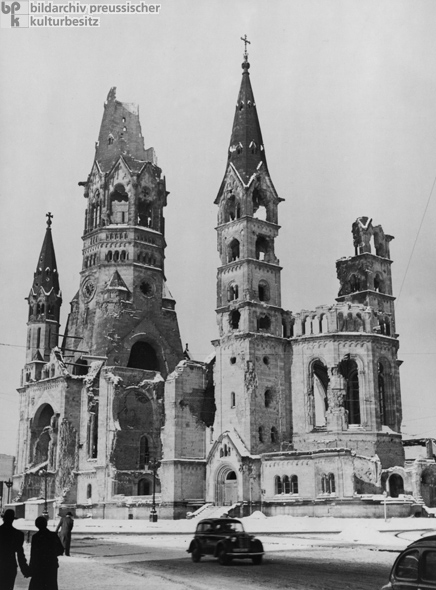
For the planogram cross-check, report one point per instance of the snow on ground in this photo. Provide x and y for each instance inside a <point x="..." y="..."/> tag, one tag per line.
<point x="281" y="532"/>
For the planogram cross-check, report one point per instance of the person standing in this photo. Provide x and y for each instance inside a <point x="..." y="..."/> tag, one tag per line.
<point x="11" y="549"/>
<point x="64" y="529"/>
<point x="45" y="549"/>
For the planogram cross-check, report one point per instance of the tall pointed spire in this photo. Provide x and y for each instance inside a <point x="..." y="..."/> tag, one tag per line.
<point x="46" y="274"/>
<point x="45" y="300"/>
<point x="246" y="151"/>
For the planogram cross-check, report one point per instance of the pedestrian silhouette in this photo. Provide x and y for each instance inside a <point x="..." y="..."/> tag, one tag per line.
<point x="45" y="549"/>
<point x="11" y="548"/>
<point x="64" y="529"/>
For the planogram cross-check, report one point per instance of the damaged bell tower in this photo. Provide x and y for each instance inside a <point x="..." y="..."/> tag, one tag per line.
<point x="252" y="369"/>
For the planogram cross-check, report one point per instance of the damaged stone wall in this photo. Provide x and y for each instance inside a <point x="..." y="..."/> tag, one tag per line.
<point x="68" y="462"/>
<point x="137" y="411"/>
<point x="189" y="410"/>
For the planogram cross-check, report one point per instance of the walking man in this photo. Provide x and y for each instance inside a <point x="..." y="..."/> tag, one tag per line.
<point x="65" y="525"/>
<point x="11" y="548"/>
<point x="45" y="549"/>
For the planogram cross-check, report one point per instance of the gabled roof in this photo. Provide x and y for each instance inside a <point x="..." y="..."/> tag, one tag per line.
<point x="117" y="283"/>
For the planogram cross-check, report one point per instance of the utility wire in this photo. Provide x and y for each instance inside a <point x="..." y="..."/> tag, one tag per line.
<point x="416" y="240"/>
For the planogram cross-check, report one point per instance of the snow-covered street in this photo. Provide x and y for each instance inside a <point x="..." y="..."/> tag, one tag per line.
<point x="301" y="553"/>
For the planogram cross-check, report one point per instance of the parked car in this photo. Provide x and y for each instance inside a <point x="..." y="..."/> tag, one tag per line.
<point x="415" y="567"/>
<point x="226" y="539"/>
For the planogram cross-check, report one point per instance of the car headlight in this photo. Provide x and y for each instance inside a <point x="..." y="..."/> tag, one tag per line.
<point x="233" y="539"/>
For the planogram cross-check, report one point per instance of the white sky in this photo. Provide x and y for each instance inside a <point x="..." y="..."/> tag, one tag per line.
<point x="346" y="96"/>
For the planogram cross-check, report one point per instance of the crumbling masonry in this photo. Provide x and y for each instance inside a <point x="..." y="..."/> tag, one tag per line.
<point x="294" y="413"/>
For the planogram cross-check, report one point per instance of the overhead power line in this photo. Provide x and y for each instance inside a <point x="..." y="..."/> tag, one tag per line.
<point x="416" y="240"/>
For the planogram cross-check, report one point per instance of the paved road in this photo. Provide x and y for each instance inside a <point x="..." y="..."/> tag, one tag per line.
<point x="161" y="563"/>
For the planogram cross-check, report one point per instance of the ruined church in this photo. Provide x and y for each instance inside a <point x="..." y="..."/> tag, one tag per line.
<point x="293" y="413"/>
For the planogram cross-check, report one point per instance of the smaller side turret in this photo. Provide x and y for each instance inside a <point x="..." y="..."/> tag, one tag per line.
<point x="45" y="300"/>
<point x="366" y="277"/>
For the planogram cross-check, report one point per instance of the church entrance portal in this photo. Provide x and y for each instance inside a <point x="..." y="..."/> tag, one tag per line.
<point x="227" y="487"/>
<point x="231" y="489"/>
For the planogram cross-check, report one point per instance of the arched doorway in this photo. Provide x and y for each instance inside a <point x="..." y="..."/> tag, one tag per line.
<point x="396" y="485"/>
<point x="227" y="487"/>
<point x="230" y="489"/>
<point x="143" y="356"/>
<point x="40" y="434"/>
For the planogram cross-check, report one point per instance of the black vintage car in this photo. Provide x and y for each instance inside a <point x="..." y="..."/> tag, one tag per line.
<point x="226" y="539"/>
<point x="415" y="567"/>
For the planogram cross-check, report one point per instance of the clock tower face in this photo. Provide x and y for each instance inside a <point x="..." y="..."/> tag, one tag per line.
<point x="88" y="290"/>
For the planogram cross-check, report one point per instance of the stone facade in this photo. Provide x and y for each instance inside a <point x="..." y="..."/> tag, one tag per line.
<point x="296" y="413"/>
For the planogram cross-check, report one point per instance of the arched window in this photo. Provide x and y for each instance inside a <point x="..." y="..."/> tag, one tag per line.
<point x="92" y="434"/>
<point x="319" y="386"/>
<point x="144" y="452"/>
<point x="89" y="491"/>
<point x="387" y="326"/>
<point x="143" y="356"/>
<point x="38" y="337"/>
<point x="235" y="317"/>
<point x="322" y="324"/>
<point x="294" y="484"/>
<point x="260" y="210"/>
<point x="278" y="485"/>
<point x="123" y="256"/>
<point x="286" y="485"/>
<point x="349" y="371"/>
<point x="232" y="399"/>
<point x="263" y="291"/>
<point x="308" y="326"/>
<point x="324" y="484"/>
<point x="382" y="393"/>
<point x="116" y="256"/>
<point x="233" y="209"/>
<point x="354" y="283"/>
<point x="232" y="292"/>
<point x="233" y="251"/>
<point x="263" y="322"/>
<point x="268" y="398"/>
<point x="260" y="434"/>
<point x="262" y="248"/>
<point x="273" y="434"/>
<point x="331" y="483"/>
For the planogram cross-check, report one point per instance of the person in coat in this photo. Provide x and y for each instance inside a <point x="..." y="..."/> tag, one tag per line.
<point x="11" y="549"/>
<point x="64" y="529"/>
<point x="45" y="549"/>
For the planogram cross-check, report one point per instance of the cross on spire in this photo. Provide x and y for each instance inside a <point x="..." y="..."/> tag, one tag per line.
<point x="49" y="218"/>
<point x="245" y="40"/>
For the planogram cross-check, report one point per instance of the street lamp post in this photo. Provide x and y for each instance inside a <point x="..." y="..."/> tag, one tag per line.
<point x="43" y="473"/>
<point x="9" y="484"/>
<point x="153" y="466"/>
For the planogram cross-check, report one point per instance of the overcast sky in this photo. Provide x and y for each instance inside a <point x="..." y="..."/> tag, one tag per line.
<point x="346" y="96"/>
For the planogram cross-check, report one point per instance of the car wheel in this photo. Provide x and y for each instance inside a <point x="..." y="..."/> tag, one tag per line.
<point x="196" y="553"/>
<point x="257" y="559"/>
<point x="223" y="558"/>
